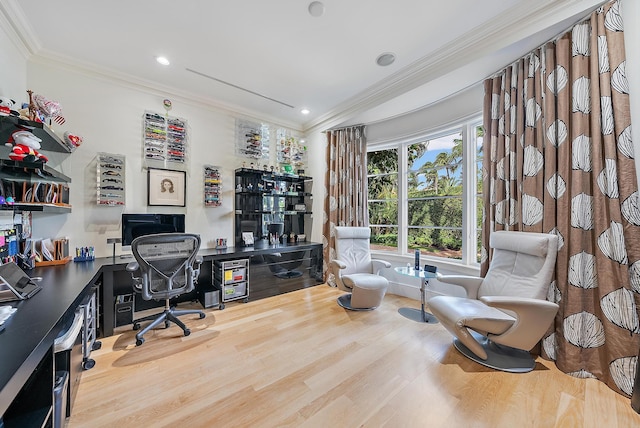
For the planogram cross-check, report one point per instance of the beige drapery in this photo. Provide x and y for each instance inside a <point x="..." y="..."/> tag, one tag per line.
<point x="559" y="159"/>
<point x="345" y="186"/>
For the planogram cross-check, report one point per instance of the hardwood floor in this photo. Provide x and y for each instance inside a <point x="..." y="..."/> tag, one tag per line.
<point x="300" y="360"/>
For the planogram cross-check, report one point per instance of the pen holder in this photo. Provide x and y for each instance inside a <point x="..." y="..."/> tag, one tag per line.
<point x="84" y="259"/>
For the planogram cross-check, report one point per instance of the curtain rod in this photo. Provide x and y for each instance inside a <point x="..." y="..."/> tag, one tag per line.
<point x="554" y="38"/>
<point x="342" y="128"/>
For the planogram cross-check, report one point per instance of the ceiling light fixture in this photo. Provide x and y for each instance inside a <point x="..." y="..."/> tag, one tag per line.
<point x="162" y="60"/>
<point x="385" y="59"/>
<point x="305" y="111"/>
<point x="316" y="9"/>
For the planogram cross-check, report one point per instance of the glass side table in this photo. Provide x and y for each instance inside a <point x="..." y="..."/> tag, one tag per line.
<point x="419" y="315"/>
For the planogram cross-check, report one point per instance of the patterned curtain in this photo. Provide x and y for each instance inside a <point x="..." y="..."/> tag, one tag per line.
<point x="345" y="186"/>
<point x="559" y="159"/>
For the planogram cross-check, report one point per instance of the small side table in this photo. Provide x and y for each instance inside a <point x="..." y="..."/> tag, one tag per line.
<point x="418" y="315"/>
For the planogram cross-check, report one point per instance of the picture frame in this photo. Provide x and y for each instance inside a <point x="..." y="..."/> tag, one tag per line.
<point x="166" y="187"/>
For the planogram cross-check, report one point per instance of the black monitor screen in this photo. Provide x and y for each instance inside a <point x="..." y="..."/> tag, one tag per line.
<point x="134" y="225"/>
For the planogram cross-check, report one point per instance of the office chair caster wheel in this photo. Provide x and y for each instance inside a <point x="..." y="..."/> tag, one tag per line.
<point x="221" y="307"/>
<point x="139" y="341"/>
<point x="202" y="315"/>
<point x="187" y="332"/>
<point x="96" y="345"/>
<point x="88" y="364"/>
<point x="246" y="300"/>
<point x="167" y="324"/>
<point x="136" y="326"/>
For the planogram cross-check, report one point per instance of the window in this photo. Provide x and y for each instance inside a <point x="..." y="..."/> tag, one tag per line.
<point x="434" y="202"/>
<point x="421" y="196"/>
<point x="382" y="174"/>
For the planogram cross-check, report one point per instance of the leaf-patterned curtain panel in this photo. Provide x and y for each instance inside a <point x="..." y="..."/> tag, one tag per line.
<point x="559" y="159"/>
<point x="345" y="187"/>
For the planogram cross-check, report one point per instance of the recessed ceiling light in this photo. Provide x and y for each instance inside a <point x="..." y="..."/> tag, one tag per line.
<point x="305" y="111"/>
<point x="316" y="8"/>
<point x="385" y="59"/>
<point x="162" y="60"/>
<point x="302" y="140"/>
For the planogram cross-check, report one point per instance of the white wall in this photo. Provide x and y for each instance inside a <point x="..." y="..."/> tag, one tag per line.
<point x="13" y="71"/>
<point x="631" y="17"/>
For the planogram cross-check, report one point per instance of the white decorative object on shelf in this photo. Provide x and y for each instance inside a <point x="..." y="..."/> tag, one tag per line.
<point x="165" y="141"/>
<point x="212" y="186"/>
<point x="252" y="139"/>
<point x="110" y="170"/>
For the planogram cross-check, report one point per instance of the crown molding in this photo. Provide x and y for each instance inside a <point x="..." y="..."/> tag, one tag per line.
<point x="472" y="45"/>
<point x="18" y="29"/>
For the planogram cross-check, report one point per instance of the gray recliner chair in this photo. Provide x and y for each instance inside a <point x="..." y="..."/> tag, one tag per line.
<point x="169" y="265"/>
<point x="356" y="272"/>
<point x="505" y="313"/>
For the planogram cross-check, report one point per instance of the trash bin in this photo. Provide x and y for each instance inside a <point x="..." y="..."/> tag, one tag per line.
<point x="60" y="399"/>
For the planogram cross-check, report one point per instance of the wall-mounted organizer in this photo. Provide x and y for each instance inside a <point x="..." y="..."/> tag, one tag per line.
<point x="212" y="186"/>
<point x="290" y="151"/>
<point x="252" y="139"/>
<point x="165" y="141"/>
<point x="110" y="170"/>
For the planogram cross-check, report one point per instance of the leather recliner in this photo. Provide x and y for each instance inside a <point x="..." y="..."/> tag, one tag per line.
<point x="505" y="313"/>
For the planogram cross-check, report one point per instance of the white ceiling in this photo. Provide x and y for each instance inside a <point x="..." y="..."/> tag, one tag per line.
<point x="277" y="49"/>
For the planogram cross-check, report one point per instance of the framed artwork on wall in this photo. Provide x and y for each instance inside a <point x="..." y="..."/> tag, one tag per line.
<point x="166" y="187"/>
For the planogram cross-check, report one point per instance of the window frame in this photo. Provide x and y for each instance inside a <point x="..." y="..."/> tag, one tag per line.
<point x="467" y="130"/>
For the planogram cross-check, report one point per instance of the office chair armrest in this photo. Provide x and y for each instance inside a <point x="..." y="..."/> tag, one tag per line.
<point x="471" y="284"/>
<point x="195" y="269"/>
<point x="533" y="318"/>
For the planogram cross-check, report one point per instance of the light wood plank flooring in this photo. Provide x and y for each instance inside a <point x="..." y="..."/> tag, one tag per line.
<point x="300" y="360"/>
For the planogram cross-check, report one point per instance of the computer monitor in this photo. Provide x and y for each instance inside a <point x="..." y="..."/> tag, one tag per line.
<point x="134" y="225"/>
<point x="276" y="228"/>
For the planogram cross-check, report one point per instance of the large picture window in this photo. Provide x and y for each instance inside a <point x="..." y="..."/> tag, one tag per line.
<point x="427" y="195"/>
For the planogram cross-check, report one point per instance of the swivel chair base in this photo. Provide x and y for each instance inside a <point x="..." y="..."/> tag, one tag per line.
<point x="167" y="317"/>
<point x="345" y="302"/>
<point x="499" y="357"/>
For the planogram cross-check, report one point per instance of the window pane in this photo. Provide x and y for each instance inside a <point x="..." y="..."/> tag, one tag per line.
<point x="383" y="212"/>
<point x="383" y="186"/>
<point x="445" y="243"/>
<point x="440" y="212"/>
<point x="384" y="238"/>
<point x="382" y="161"/>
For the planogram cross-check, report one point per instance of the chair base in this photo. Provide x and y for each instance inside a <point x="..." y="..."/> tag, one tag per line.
<point x="168" y="316"/>
<point x="345" y="302"/>
<point x="289" y="274"/>
<point x="499" y="357"/>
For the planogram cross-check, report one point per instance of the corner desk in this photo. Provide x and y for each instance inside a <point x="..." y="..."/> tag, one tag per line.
<point x="26" y="342"/>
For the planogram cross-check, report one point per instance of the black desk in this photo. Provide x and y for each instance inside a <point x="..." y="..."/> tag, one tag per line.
<point x="115" y="280"/>
<point x="29" y="334"/>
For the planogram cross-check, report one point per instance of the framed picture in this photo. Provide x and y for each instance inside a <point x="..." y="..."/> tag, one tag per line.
<point x="166" y="187"/>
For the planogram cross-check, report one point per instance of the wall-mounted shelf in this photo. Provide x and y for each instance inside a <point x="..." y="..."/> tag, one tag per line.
<point x="110" y="170"/>
<point x="212" y="186"/>
<point x="50" y="141"/>
<point x="34" y="187"/>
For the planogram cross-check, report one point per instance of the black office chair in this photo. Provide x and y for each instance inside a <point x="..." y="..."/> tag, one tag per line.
<point x="169" y="265"/>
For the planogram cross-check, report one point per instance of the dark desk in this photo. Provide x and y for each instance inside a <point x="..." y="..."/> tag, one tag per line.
<point x="29" y="334"/>
<point x="115" y="280"/>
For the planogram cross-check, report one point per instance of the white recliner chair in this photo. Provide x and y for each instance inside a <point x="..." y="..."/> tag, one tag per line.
<point x="505" y="313"/>
<point x="355" y="271"/>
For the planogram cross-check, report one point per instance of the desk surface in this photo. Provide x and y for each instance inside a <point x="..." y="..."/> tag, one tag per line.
<point x="30" y="332"/>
